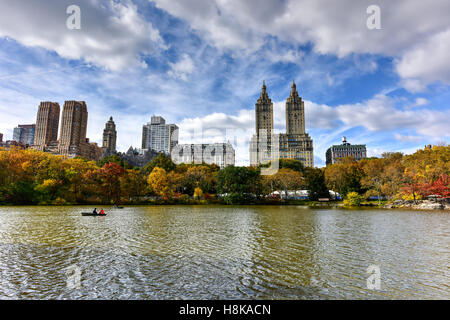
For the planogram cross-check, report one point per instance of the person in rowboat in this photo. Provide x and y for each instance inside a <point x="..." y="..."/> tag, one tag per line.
<point x="95" y="211"/>
<point x="102" y="212"/>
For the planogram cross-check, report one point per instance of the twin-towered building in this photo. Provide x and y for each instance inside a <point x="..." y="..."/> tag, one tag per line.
<point x="72" y="140"/>
<point x="265" y="146"/>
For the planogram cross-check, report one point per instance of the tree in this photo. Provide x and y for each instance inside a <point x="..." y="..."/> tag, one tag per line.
<point x="198" y="193"/>
<point x="353" y="199"/>
<point x="373" y="178"/>
<point x="344" y="176"/>
<point x="133" y="184"/>
<point x="110" y="181"/>
<point x="239" y="184"/>
<point x="287" y="180"/>
<point x="114" y="159"/>
<point x="315" y="184"/>
<point x="161" y="161"/>
<point x="199" y="177"/>
<point x="158" y="182"/>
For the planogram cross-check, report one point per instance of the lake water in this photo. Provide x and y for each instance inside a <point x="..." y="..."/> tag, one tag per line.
<point x="219" y="252"/>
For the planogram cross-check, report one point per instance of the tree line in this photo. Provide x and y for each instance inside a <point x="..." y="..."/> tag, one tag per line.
<point x="32" y="177"/>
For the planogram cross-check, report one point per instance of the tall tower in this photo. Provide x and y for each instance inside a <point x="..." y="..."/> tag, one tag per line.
<point x="264" y="112"/>
<point x="296" y="143"/>
<point x="47" y="122"/>
<point x="73" y="127"/>
<point x="109" y="137"/>
<point x="295" y="112"/>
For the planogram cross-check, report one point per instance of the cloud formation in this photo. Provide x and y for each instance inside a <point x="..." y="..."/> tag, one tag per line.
<point x="113" y="34"/>
<point x="412" y="30"/>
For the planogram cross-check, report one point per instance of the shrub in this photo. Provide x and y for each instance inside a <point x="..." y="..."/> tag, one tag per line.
<point x="353" y="199"/>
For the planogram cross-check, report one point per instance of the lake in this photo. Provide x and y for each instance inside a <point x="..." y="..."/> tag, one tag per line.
<point x="223" y="252"/>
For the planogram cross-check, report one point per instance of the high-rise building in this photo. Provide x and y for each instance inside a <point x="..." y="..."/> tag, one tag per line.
<point x="72" y="140"/>
<point x="109" y="138"/>
<point x="47" y="122"/>
<point x="261" y="142"/>
<point x="294" y="144"/>
<point x="24" y="134"/>
<point x="73" y="128"/>
<point x="1" y="137"/>
<point x="336" y="152"/>
<point x="221" y="154"/>
<point x="159" y="136"/>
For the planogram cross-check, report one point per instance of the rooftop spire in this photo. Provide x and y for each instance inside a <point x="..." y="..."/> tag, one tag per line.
<point x="264" y="91"/>
<point x="293" y="89"/>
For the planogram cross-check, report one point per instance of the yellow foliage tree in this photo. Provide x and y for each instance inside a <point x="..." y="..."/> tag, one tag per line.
<point x="159" y="182"/>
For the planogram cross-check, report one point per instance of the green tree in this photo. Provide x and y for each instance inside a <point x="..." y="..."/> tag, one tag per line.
<point x="161" y="161"/>
<point x="315" y="184"/>
<point x="239" y="184"/>
<point x="114" y="159"/>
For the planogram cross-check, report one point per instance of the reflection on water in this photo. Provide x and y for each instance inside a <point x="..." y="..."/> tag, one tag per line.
<point x="184" y="252"/>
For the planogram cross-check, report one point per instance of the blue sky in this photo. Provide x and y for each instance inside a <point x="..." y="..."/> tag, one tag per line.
<point x="200" y="64"/>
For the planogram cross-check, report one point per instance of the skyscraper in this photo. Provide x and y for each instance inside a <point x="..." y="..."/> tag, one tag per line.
<point x="73" y="128"/>
<point x="47" y="122"/>
<point x="24" y="134"/>
<point x="109" y="138"/>
<point x="159" y="136"/>
<point x="294" y="144"/>
<point x="264" y="112"/>
<point x="261" y="142"/>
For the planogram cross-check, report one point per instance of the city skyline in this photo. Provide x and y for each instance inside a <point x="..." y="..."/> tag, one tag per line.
<point x="361" y="85"/>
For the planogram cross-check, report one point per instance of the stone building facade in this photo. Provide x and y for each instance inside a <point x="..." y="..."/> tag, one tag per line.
<point x="221" y="154"/>
<point x="336" y="152"/>
<point x="294" y="144"/>
<point x="47" y="122"/>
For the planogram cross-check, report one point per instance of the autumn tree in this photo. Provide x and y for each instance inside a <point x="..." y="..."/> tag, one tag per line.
<point x="159" y="183"/>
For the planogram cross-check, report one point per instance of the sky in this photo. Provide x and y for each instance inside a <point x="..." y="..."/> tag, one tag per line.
<point x="200" y="64"/>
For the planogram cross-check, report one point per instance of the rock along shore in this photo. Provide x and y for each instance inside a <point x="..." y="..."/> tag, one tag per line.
<point x="438" y="204"/>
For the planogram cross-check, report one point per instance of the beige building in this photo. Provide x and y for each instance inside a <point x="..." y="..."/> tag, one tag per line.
<point x="294" y="144"/>
<point x="47" y="122"/>
<point x="72" y="139"/>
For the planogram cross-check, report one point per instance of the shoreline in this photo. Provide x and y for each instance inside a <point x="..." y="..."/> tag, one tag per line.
<point x="419" y="205"/>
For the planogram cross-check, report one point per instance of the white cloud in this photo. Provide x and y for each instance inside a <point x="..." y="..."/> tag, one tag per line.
<point x="408" y="138"/>
<point x="182" y="69"/>
<point x="415" y="31"/>
<point x="113" y="35"/>
<point x="428" y="60"/>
